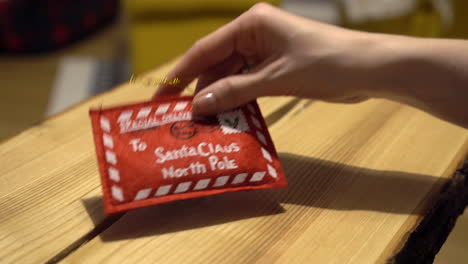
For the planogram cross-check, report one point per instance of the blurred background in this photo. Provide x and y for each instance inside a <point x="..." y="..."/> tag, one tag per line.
<point x="56" y="53"/>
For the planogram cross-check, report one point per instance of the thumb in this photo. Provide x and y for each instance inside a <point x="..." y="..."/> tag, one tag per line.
<point x="228" y="93"/>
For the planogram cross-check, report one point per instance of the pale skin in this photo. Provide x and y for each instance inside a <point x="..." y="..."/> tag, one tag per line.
<point x="291" y="55"/>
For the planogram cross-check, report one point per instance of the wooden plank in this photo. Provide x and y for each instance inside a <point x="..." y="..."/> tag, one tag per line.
<point x="361" y="177"/>
<point x="49" y="177"/>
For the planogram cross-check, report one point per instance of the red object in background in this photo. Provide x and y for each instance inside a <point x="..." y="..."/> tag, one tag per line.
<point x="154" y="152"/>
<point x="41" y="25"/>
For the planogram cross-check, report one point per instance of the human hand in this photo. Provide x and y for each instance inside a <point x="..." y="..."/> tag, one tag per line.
<point x="287" y="55"/>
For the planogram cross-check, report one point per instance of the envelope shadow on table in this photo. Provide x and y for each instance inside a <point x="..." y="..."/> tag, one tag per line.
<point x="314" y="183"/>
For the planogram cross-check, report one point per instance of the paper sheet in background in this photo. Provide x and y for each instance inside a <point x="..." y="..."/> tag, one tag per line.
<point x="79" y="78"/>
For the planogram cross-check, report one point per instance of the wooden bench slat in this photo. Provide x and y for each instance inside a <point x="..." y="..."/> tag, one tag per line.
<point x="361" y="177"/>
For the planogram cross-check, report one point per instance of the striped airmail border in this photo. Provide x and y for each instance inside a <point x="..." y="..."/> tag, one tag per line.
<point x="201" y="184"/>
<point x="114" y="175"/>
<point x="261" y="137"/>
<point x="146" y="111"/>
<point x="111" y="159"/>
<point x="257" y="124"/>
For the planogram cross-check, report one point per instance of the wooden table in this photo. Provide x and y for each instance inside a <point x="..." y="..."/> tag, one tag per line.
<point x="362" y="179"/>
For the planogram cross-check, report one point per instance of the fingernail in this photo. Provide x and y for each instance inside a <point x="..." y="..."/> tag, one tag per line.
<point x="204" y="105"/>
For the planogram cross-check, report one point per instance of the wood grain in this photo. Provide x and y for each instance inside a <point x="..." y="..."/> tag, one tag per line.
<point x="357" y="174"/>
<point x="360" y="178"/>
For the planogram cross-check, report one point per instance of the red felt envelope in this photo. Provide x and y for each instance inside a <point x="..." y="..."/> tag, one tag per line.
<point x="155" y="152"/>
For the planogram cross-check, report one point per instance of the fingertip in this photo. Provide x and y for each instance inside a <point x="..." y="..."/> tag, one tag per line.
<point x="205" y="104"/>
<point x="226" y="94"/>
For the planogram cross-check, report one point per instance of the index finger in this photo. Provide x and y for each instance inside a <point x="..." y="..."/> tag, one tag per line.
<point x="206" y="52"/>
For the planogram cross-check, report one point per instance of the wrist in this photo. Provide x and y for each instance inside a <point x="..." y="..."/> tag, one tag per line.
<point x="390" y="67"/>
